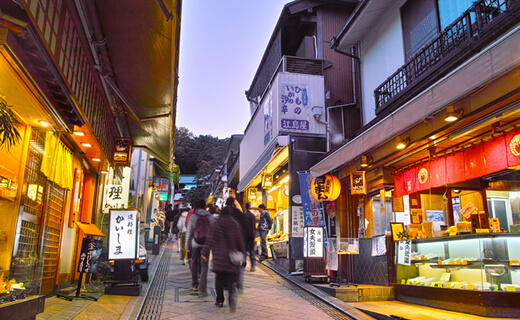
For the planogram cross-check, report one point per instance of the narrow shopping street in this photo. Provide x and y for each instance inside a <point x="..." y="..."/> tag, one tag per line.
<point x="168" y="296"/>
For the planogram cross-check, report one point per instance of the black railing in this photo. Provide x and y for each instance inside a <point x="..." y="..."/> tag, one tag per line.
<point x="464" y="34"/>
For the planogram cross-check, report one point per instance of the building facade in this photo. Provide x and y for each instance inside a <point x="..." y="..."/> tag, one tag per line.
<point x="439" y="76"/>
<point x="58" y="82"/>
<point x="298" y="87"/>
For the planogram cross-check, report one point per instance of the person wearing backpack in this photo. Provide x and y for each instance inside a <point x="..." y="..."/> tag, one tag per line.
<point x="198" y="229"/>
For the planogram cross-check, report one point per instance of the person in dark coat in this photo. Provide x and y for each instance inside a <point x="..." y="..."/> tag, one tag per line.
<point x="249" y="229"/>
<point x="224" y="236"/>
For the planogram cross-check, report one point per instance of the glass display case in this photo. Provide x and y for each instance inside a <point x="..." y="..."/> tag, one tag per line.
<point x="478" y="269"/>
<point x="473" y="262"/>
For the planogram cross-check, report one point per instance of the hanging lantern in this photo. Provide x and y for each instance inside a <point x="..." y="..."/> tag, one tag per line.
<point x="326" y="188"/>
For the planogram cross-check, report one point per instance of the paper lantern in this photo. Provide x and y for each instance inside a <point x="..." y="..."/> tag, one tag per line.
<point x="326" y="188"/>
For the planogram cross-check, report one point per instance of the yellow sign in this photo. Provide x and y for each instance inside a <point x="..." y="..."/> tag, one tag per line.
<point x="267" y="181"/>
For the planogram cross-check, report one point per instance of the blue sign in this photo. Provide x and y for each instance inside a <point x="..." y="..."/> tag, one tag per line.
<point x="312" y="213"/>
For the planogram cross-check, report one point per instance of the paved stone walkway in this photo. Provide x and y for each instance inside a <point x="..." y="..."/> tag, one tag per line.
<point x="263" y="297"/>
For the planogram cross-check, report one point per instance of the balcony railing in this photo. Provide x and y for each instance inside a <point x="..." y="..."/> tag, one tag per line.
<point x="474" y="29"/>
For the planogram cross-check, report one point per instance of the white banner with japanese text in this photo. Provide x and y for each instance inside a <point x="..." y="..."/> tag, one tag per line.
<point x="123" y="234"/>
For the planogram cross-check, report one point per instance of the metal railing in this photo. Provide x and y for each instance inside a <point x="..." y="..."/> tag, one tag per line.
<point x="462" y="36"/>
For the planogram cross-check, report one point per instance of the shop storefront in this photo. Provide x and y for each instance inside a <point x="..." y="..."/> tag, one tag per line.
<point x="285" y="136"/>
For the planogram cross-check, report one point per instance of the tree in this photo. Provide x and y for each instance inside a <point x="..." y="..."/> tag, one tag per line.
<point x="198" y="155"/>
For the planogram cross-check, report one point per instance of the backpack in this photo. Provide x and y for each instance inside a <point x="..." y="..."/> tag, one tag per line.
<point x="201" y="229"/>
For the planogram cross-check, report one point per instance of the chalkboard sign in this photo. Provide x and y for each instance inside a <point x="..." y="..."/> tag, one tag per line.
<point x="90" y="253"/>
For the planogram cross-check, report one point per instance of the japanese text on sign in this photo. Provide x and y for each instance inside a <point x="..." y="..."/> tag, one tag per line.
<point x="297" y="221"/>
<point x="123" y="234"/>
<point x="313" y="242"/>
<point x="116" y="197"/>
<point x="294" y="102"/>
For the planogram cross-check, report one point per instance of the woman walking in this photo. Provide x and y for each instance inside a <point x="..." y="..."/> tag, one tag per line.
<point x="225" y="237"/>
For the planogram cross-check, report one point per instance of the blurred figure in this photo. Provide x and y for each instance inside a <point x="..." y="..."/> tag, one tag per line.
<point x="170" y="214"/>
<point x="264" y="225"/>
<point x="225" y="236"/>
<point x="196" y="235"/>
<point x="181" y="225"/>
<point x="249" y="229"/>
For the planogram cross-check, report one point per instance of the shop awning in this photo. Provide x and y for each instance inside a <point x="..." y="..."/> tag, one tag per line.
<point x="273" y="156"/>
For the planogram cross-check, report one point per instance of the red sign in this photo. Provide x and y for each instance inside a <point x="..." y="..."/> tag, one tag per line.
<point x="513" y="148"/>
<point x="455" y="167"/>
<point x="475" y="165"/>
<point x="423" y="176"/>
<point x="409" y="180"/>
<point x="494" y="151"/>
<point x="438" y="172"/>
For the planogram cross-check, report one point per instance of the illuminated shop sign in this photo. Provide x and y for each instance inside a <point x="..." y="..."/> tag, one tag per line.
<point x="313" y="242"/>
<point x="123" y="234"/>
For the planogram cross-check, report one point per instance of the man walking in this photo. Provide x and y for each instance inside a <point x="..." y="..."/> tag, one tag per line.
<point x="198" y="229"/>
<point x="249" y="234"/>
<point x="264" y="225"/>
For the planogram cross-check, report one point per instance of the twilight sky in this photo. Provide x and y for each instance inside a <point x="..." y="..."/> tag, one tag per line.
<point x="222" y="43"/>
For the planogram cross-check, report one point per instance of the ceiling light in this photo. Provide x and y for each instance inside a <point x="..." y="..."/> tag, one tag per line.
<point x="365" y="161"/>
<point x="96" y="159"/>
<point x="401" y="143"/>
<point x="43" y="123"/>
<point x="79" y="133"/>
<point x="452" y="114"/>
<point x="104" y="172"/>
<point x="86" y="145"/>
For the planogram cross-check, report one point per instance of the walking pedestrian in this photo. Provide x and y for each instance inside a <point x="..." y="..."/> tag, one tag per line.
<point x="264" y="225"/>
<point x="170" y="214"/>
<point x="181" y="225"/>
<point x="249" y="229"/>
<point x="225" y="238"/>
<point x="196" y="234"/>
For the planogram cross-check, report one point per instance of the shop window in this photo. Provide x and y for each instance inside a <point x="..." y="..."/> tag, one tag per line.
<point x="420" y="25"/>
<point x="450" y="10"/>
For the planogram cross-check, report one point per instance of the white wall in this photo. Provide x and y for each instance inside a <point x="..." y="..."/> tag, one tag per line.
<point x="381" y="53"/>
<point x="266" y="123"/>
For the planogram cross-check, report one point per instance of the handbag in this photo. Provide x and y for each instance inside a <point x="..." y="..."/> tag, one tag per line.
<point x="236" y="257"/>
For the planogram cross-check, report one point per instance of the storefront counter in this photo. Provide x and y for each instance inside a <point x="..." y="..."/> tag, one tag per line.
<point x="24" y="309"/>
<point x="474" y="273"/>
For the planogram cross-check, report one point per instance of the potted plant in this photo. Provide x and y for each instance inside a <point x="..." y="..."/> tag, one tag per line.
<point x="9" y="124"/>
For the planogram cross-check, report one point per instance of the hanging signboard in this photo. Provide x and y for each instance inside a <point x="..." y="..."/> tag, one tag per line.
<point x="122" y="152"/>
<point x="267" y="181"/>
<point x="313" y="242"/>
<point x="123" y="234"/>
<point x="358" y="183"/>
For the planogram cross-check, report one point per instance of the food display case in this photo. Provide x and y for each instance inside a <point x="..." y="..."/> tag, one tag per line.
<point x="477" y="273"/>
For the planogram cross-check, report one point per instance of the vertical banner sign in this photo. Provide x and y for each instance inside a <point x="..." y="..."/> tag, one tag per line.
<point x="313" y="242"/>
<point x="312" y="214"/>
<point x="268" y="118"/>
<point x="294" y="113"/>
<point x="90" y="253"/>
<point x="297" y="221"/>
<point x="116" y="196"/>
<point x="404" y="253"/>
<point x="123" y="234"/>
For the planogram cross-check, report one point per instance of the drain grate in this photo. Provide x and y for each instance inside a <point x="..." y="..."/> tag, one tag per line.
<point x="152" y="306"/>
<point x="326" y="308"/>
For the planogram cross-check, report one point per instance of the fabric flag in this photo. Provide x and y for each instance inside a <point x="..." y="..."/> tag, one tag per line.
<point x="398" y="185"/>
<point x="409" y="180"/>
<point x="513" y="148"/>
<point x="494" y="151"/>
<point x="312" y="213"/>
<point x="455" y="167"/>
<point x="475" y="166"/>
<point x="422" y="179"/>
<point x="438" y="172"/>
